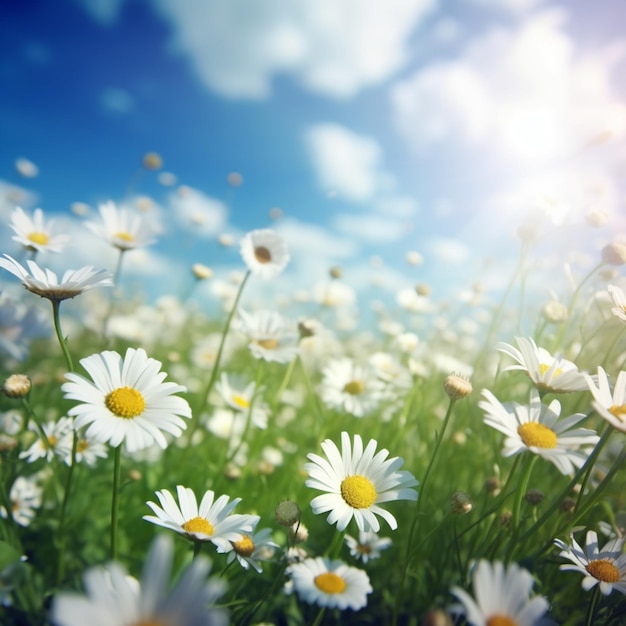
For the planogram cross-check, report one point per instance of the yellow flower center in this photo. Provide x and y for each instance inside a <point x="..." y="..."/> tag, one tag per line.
<point x="537" y="435"/>
<point x="52" y="440"/>
<point x="330" y="583"/>
<point x="603" y="570"/>
<point x="500" y="620"/>
<point x="543" y="368"/>
<point x="364" y="548"/>
<point x="268" y="344"/>
<point x="149" y="622"/>
<point x="125" y="402"/>
<point x="358" y="491"/>
<point x="39" y="238"/>
<point x="198" y="525"/>
<point x="262" y="254"/>
<point x="240" y="401"/>
<point x="619" y="411"/>
<point x="245" y="546"/>
<point x="82" y="445"/>
<point x="354" y="387"/>
<point x="124" y="236"/>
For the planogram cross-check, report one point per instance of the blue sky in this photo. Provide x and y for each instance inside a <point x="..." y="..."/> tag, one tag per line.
<point x="377" y="128"/>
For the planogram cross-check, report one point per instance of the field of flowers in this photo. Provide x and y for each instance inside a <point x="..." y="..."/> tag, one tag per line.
<point x="264" y="467"/>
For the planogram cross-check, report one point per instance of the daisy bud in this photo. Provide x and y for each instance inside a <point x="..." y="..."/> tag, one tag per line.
<point x="414" y="258"/>
<point x="492" y="485"/>
<point x="275" y="213"/>
<point x="201" y="272"/>
<point x="226" y="240"/>
<point x="554" y="312"/>
<point x="335" y="272"/>
<point x="235" y="179"/>
<point x="16" y="386"/>
<point x="457" y="387"/>
<point x="437" y="618"/>
<point x="287" y="513"/>
<point x="135" y="474"/>
<point x="568" y="505"/>
<point x="152" y="161"/>
<point x="505" y="519"/>
<point x="534" y="497"/>
<point x="614" y="253"/>
<point x="422" y="289"/>
<point x="460" y="503"/>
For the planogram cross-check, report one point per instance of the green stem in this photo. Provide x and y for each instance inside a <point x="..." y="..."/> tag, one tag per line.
<point x="517" y="505"/>
<point x="593" y="603"/>
<point x="56" y="305"/>
<point x="62" y="517"/>
<point x="320" y="615"/>
<point x="115" y="500"/>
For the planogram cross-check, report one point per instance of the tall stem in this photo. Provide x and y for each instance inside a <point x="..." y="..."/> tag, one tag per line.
<point x="115" y="500"/>
<point x="56" y="305"/>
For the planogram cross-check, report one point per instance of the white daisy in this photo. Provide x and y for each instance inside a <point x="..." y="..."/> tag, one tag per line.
<point x="122" y="228"/>
<point x="619" y="300"/>
<point x="25" y="497"/>
<point x="264" y="252"/>
<point x="243" y="400"/>
<point x="537" y="428"/>
<point x="606" y="566"/>
<point x="127" y="401"/>
<point x="331" y="584"/>
<point x="368" y="546"/>
<point x="212" y="521"/>
<point x="547" y="372"/>
<point x="46" y="284"/>
<point x="356" y="482"/>
<point x="115" y="599"/>
<point x="18" y="325"/>
<point x="34" y="233"/>
<point x="252" y="548"/>
<point x="502" y="597"/>
<point x="350" y="387"/>
<point x="56" y="441"/>
<point x="88" y="450"/>
<point x="610" y="406"/>
<point x="272" y="337"/>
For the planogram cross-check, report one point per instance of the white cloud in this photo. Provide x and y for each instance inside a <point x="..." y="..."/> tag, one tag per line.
<point x="344" y="162"/>
<point x="103" y="11"/>
<point x="372" y="228"/>
<point x="336" y="48"/>
<point x="447" y="250"/>
<point x="523" y="94"/>
<point x="197" y="212"/>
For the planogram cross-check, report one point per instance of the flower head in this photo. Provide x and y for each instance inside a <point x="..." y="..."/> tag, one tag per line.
<point x="116" y="598"/>
<point x="264" y="252"/>
<point x="25" y="497"/>
<point x="56" y="442"/>
<point x="46" y="284"/>
<point x="127" y="401"/>
<point x="272" y="338"/>
<point x="243" y="400"/>
<point x="610" y="406"/>
<point x="537" y="428"/>
<point x="253" y="548"/>
<point x="331" y="584"/>
<point x="619" y="301"/>
<point x="547" y="372"/>
<point x="213" y="520"/>
<point x="502" y="597"/>
<point x="121" y="228"/>
<point x="34" y="233"/>
<point x="356" y="482"/>
<point x="606" y="567"/>
<point x="368" y="546"/>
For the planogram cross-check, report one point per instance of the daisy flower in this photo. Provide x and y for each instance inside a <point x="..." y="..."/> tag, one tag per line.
<point x="271" y="336"/>
<point x="368" y="546"/>
<point x="121" y="228"/>
<point x="610" y="406"/>
<point x="606" y="567"/>
<point x="127" y="401"/>
<point x="25" y="497"/>
<point x="88" y="451"/>
<point x="547" y="372"/>
<point x="115" y="599"/>
<point x="619" y="300"/>
<point x="56" y="441"/>
<point x="46" y="284"/>
<point x="264" y="252"/>
<point x="18" y="324"/>
<point x="243" y="400"/>
<point x="212" y="521"/>
<point x="331" y="584"/>
<point x="251" y="549"/>
<point x="502" y="596"/>
<point x="356" y="482"/>
<point x="350" y="387"/>
<point x="34" y="233"/>
<point x="537" y="428"/>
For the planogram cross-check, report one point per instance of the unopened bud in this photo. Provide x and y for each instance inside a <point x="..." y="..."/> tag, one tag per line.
<point x="437" y="618"/>
<point x="287" y="513"/>
<point x="335" y="272"/>
<point x="614" y="253"/>
<point x="505" y="519"/>
<point x="460" y="503"/>
<point x="534" y="497"/>
<point x="16" y="386"/>
<point x="457" y="387"/>
<point x="201" y="272"/>
<point x="568" y="505"/>
<point x="152" y="161"/>
<point x="492" y="485"/>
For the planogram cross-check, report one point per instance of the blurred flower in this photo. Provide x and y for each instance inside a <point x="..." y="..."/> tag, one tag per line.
<point x="26" y="168"/>
<point x="502" y="597"/>
<point x="334" y="294"/>
<point x="114" y="598"/>
<point x="128" y="402"/>
<point x="271" y="337"/>
<point x="18" y="324"/>
<point x="212" y="521"/>
<point x="251" y="549"/>
<point x="606" y="567"/>
<point x="356" y="481"/>
<point x="56" y="441"/>
<point x="243" y="400"/>
<point x="201" y="272"/>
<point x="17" y="386"/>
<point x="88" y="451"/>
<point x="331" y="584"/>
<point x="537" y="428"/>
<point x="619" y="300"/>
<point x="235" y="179"/>
<point x="46" y="284"/>
<point x="152" y="161"/>
<point x="121" y="228"/>
<point x="368" y="546"/>
<point x="610" y="406"/>
<point x="614" y="253"/>
<point x="265" y="253"/>
<point x="547" y="372"/>
<point x="34" y="234"/>
<point x="25" y="497"/>
<point x="554" y="312"/>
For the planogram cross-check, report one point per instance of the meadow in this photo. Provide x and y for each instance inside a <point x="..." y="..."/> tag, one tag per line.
<point x="404" y="473"/>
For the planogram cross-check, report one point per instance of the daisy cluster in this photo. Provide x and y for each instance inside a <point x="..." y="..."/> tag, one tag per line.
<point x="285" y="465"/>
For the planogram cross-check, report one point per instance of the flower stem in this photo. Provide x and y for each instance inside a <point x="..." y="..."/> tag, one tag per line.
<point x="593" y="603"/>
<point x="115" y="500"/>
<point x="320" y="615"/>
<point x="56" y="305"/>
